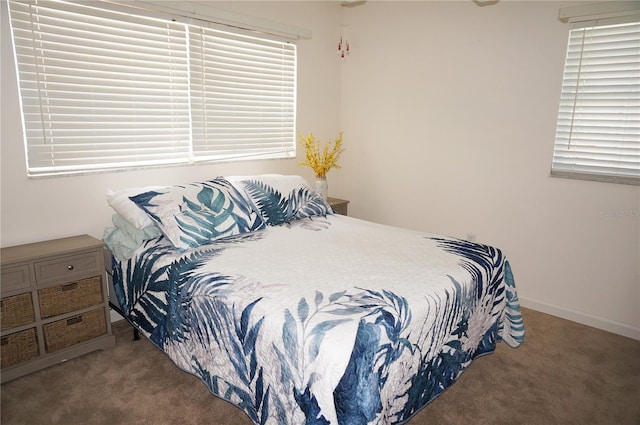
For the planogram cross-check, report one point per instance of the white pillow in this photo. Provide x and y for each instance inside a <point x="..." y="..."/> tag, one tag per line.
<point x="120" y="202"/>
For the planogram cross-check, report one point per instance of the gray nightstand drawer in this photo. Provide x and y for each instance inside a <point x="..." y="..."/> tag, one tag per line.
<point x="68" y="267"/>
<point x="15" y="277"/>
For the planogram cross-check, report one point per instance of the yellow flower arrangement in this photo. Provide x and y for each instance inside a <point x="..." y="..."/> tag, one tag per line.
<point x="321" y="160"/>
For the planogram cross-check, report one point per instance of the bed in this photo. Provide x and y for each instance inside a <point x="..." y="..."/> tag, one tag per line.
<point x="297" y="315"/>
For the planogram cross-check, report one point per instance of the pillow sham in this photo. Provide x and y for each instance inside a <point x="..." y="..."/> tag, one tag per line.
<point x="278" y="207"/>
<point x="198" y="213"/>
<point x="283" y="183"/>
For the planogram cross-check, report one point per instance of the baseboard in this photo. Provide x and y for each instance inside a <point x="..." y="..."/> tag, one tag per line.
<point x="585" y="319"/>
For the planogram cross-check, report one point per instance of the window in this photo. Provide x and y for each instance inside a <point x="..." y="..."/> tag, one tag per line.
<point x="598" y="128"/>
<point x="103" y="88"/>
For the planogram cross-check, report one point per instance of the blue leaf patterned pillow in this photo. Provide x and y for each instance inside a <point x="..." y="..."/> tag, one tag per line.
<point x="198" y="213"/>
<point x="277" y="208"/>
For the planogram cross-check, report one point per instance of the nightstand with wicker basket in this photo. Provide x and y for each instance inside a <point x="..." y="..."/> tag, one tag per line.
<point x="54" y="304"/>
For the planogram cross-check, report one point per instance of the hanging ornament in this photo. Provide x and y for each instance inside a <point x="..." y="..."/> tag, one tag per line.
<point x="343" y="48"/>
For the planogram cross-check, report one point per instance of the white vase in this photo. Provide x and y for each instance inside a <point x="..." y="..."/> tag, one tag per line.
<point x="321" y="186"/>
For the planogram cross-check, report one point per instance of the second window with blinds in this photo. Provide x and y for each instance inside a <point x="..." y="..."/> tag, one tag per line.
<point x="598" y="128"/>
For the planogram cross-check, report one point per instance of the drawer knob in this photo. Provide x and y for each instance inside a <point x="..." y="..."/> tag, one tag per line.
<point x="70" y="267"/>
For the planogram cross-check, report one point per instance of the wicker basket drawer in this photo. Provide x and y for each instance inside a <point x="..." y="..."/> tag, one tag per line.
<point x="18" y="347"/>
<point x="16" y="311"/>
<point x="15" y="277"/>
<point x="69" y="297"/>
<point x="68" y="267"/>
<point x="83" y="327"/>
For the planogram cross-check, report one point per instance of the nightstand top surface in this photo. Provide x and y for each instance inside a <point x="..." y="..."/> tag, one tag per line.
<point x="69" y="245"/>
<point x="331" y="200"/>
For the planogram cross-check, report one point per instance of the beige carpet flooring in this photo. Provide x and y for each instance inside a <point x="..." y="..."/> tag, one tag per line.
<point x="565" y="373"/>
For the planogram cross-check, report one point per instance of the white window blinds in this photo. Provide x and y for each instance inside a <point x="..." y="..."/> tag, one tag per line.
<point x="103" y="88"/>
<point x="598" y="128"/>
<point x="242" y="95"/>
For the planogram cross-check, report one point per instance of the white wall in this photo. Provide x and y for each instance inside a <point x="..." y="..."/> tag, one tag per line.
<point x="449" y="116"/>
<point x="38" y="209"/>
<point x="449" y="113"/>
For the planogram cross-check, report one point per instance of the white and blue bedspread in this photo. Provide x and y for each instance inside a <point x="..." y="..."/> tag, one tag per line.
<point x="326" y="320"/>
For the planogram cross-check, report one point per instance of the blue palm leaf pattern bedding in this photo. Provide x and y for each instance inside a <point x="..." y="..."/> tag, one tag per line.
<point x="325" y="319"/>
